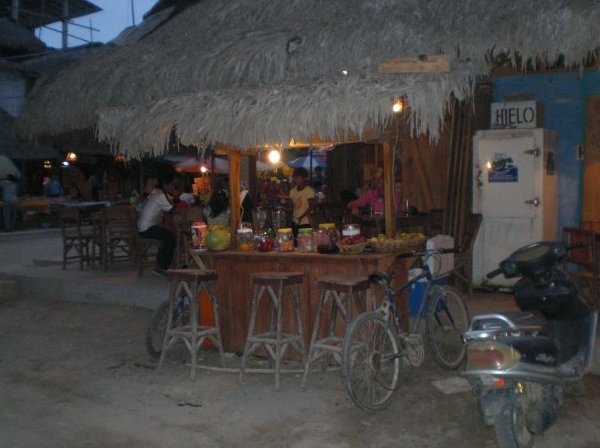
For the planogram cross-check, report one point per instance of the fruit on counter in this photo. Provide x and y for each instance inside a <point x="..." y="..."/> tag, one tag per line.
<point x="400" y="236"/>
<point x="217" y="238"/>
<point x="244" y="247"/>
<point x="350" y="240"/>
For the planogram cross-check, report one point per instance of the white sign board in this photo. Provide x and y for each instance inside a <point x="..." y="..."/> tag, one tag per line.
<point x="515" y="114"/>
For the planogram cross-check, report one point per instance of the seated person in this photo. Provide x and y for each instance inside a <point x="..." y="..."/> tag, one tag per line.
<point x="53" y="188"/>
<point x="374" y="199"/>
<point x="150" y="222"/>
<point x="217" y="208"/>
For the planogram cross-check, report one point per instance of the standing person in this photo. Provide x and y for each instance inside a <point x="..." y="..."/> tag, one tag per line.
<point x="150" y="222"/>
<point x="9" y="201"/>
<point x="303" y="199"/>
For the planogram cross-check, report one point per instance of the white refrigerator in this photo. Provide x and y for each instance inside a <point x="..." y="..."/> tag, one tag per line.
<point x="514" y="189"/>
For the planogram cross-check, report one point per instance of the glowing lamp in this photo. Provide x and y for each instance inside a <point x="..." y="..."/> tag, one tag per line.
<point x="71" y="157"/>
<point x="398" y="106"/>
<point x="274" y="156"/>
<point x="203" y="169"/>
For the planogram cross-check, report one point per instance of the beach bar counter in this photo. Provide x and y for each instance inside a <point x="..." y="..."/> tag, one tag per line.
<point x="235" y="291"/>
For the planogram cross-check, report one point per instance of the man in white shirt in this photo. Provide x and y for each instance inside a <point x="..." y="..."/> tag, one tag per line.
<point x="150" y="222"/>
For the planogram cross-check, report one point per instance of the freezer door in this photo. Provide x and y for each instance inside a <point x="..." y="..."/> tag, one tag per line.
<point x="507" y="192"/>
<point x="506" y="170"/>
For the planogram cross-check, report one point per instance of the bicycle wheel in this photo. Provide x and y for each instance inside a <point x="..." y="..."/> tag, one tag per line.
<point x="370" y="362"/>
<point x="157" y="325"/>
<point x="447" y="320"/>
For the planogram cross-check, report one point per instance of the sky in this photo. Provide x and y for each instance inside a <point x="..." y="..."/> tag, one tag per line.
<point x="114" y="17"/>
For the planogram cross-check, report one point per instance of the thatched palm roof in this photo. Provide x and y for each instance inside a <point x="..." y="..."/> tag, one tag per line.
<point x="249" y="72"/>
<point x="11" y="148"/>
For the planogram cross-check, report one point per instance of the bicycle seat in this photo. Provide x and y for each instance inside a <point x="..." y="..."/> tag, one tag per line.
<point x="381" y="278"/>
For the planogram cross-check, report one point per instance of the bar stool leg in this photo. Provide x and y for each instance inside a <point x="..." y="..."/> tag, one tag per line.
<point x="277" y="302"/>
<point x="210" y="290"/>
<point x="313" y="339"/>
<point x="296" y="298"/>
<point x="165" y="345"/>
<point x="258" y="292"/>
<point x="194" y="305"/>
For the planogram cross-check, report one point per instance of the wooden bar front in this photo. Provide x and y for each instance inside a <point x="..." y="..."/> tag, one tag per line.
<point x="235" y="292"/>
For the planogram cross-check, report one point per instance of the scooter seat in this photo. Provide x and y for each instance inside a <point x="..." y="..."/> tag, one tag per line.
<point x="487" y="325"/>
<point x="528" y="321"/>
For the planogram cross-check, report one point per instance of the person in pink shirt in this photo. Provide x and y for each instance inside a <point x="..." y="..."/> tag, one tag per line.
<point x="373" y="198"/>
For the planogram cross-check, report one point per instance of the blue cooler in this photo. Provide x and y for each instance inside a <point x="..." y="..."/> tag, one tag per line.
<point x="417" y="290"/>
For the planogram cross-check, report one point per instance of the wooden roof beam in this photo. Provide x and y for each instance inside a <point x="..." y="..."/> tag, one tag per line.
<point x="421" y="64"/>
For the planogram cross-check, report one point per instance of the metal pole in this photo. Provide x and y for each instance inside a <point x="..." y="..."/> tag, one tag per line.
<point x="132" y="14"/>
<point x="14" y="12"/>
<point x="65" y="24"/>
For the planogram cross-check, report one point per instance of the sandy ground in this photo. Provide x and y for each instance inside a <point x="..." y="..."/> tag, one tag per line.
<point x="77" y="375"/>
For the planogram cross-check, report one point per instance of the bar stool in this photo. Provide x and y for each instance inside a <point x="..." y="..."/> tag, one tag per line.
<point x="275" y="341"/>
<point x="190" y="282"/>
<point x="339" y="288"/>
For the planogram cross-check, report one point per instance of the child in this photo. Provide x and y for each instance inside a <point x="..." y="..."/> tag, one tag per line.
<point x="303" y="199"/>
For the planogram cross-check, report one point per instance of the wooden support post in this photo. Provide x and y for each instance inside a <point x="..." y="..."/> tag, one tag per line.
<point x="388" y="190"/>
<point x="234" y="193"/>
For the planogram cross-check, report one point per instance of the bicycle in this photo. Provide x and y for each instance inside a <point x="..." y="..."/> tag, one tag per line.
<point x="376" y="347"/>
<point x="157" y="325"/>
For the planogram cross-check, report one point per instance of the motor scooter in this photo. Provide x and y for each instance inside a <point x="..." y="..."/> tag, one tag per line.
<point x="521" y="363"/>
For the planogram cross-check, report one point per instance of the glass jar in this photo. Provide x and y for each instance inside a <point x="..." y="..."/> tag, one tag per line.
<point x="244" y="239"/>
<point x="326" y="238"/>
<point x="306" y="240"/>
<point x="285" y="239"/>
<point x="264" y="241"/>
<point x="351" y="230"/>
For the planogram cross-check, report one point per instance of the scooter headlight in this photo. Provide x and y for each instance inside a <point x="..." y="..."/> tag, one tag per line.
<point x="491" y="356"/>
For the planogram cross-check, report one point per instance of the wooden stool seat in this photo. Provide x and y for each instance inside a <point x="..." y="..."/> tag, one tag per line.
<point x="275" y="340"/>
<point x="340" y="288"/>
<point x="343" y="283"/>
<point x="189" y="283"/>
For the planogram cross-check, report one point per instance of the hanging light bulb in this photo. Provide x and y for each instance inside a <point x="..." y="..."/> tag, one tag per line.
<point x="274" y="156"/>
<point x="203" y="169"/>
<point x="398" y="106"/>
<point x="71" y="157"/>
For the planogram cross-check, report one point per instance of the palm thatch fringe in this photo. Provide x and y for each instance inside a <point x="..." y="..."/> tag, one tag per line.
<point x="274" y="115"/>
<point x="217" y="51"/>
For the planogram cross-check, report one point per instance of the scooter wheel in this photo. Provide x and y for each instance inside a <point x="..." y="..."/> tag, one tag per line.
<point x="511" y="426"/>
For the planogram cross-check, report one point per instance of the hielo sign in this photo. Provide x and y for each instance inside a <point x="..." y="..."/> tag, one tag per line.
<point x="515" y="114"/>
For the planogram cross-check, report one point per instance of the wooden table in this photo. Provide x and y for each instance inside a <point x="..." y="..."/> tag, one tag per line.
<point x="235" y="293"/>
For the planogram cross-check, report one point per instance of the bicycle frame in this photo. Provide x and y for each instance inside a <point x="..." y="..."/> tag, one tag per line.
<point x="390" y="294"/>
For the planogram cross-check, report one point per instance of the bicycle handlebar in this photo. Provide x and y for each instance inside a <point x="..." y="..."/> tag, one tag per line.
<point x="426" y="252"/>
<point x="494" y="273"/>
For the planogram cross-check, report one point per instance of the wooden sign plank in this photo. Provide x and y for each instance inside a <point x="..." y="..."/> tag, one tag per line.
<point x="420" y="64"/>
